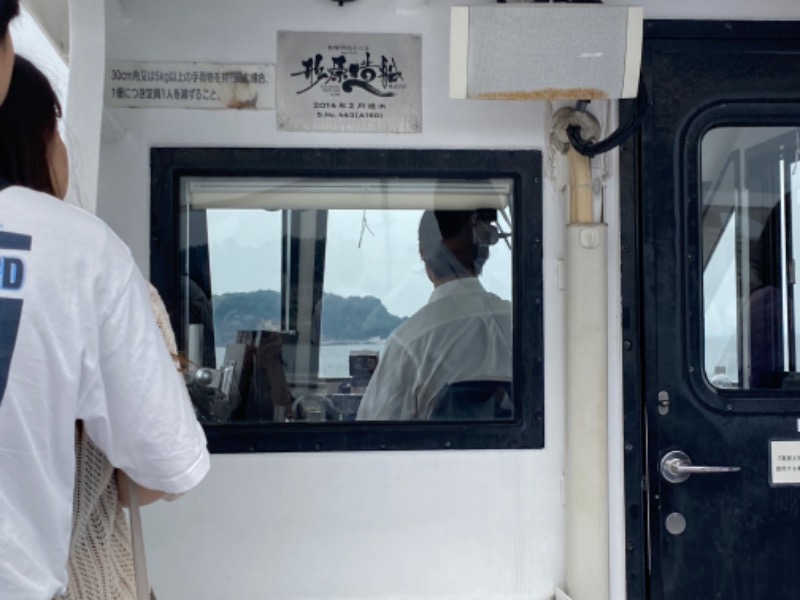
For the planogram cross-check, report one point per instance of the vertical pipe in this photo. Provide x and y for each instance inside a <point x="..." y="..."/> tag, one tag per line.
<point x="84" y="111"/>
<point x="586" y="463"/>
<point x="580" y="187"/>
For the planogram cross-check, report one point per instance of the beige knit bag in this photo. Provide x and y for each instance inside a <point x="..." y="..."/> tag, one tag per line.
<point x="143" y="589"/>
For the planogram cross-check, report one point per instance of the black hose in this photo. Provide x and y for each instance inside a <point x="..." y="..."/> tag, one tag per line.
<point x="623" y="132"/>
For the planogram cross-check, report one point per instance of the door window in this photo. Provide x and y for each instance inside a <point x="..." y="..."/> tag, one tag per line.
<point x="750" y="237"/>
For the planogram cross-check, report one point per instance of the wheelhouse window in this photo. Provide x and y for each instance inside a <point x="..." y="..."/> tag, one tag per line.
<point x="335" y="311"/>
<point x="750" y="237"/>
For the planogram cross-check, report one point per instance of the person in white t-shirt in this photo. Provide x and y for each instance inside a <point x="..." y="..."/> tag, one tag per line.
<point x="78" y="341"/>
<point x="462" y="334"/>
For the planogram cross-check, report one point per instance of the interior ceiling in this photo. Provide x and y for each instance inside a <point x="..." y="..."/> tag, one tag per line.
<point x="53" y="17"/>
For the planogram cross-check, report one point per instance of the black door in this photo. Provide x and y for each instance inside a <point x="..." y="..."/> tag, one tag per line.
<point x="711" y="220"/>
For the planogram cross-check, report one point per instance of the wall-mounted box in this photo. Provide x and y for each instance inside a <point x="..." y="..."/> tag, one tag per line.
<point x="545" y="51"/>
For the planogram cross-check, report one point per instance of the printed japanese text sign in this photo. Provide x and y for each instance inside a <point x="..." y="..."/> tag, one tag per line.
<point x="349" y="82"/>
<point x="785" y="462"/>
<point x="189" y="85"/>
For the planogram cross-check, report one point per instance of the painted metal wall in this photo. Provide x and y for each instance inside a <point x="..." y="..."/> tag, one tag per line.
<point x="302" y="526"/>
<point x="405" y="525"/>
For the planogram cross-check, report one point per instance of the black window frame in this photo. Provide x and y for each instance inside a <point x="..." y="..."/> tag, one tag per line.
<point x="735" y="112"/>
<point x="168" y="165"/>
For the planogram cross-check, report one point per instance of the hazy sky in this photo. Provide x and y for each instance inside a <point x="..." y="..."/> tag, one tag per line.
<point x="381" y="261"/>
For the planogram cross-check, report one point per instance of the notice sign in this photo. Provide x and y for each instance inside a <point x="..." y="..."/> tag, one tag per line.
<point x="349" y="82"/>
<point x="785" y="463"/>
<point x="189" y="85"/>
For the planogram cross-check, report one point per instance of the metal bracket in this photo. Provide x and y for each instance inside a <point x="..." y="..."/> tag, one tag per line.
<point x="663" y="403"/>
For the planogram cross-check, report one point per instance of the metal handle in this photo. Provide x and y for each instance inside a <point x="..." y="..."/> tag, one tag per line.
<point x="676" y="467"/>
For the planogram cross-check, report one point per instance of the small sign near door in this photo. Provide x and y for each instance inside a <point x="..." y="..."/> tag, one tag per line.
<point x="785" y="462"/>
<point x="189" y="85"/>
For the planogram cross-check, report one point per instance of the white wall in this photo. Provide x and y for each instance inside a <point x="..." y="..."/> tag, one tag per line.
<point x="402" y="525"/>
<point x="85" y="100"/>
<point x="371" y="525"/>
<point x="243" y="31"/>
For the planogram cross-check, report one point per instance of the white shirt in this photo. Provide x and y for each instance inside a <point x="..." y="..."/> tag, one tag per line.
<point x="462" y="334"/>
<point x="87" y="347"/>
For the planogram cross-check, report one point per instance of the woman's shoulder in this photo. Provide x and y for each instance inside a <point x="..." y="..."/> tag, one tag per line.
<point x="162" y="319"/>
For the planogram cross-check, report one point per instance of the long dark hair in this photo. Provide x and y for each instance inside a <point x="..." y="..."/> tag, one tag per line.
<point x="28" y="121"/>
<point x="8" y="10"/>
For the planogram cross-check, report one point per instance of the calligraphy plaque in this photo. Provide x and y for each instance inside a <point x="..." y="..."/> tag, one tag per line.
<point x="349" y="82"/>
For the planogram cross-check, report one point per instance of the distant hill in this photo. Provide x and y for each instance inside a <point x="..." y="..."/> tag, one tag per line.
<point x="357" y="318"/>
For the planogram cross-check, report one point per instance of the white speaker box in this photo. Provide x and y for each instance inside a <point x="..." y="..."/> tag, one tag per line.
<point x="545" y="51"/>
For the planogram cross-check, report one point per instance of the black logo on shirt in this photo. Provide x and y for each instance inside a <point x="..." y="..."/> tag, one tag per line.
<point x="12" y="278"/>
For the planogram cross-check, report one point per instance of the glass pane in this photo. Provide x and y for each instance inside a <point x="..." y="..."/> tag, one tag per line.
<point x="750" y="191"/>
<point x="253" y="238"/>
<point x="336" y="314"/>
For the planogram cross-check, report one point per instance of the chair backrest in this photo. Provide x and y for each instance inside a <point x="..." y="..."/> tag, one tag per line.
<point x="474" y="401"/>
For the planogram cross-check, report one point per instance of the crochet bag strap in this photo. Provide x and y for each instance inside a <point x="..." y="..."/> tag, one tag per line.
<point x="143" y="591"/>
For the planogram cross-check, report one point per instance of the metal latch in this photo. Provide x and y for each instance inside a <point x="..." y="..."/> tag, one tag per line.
<point x="663" y="402"/>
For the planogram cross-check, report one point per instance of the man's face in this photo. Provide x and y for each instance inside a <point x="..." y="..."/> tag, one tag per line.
<point x="6" y="65"/>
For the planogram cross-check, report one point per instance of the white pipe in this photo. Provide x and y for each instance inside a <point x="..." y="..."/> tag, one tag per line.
<point x="586" y="464"/>
<point x="87" y="53"/>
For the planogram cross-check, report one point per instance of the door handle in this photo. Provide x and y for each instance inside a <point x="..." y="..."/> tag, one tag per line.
<point x="677" y="467"/>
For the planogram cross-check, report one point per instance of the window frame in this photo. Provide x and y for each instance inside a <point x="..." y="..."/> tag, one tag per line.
<point x="741" y="113"/>
<point x="168" y="165"/>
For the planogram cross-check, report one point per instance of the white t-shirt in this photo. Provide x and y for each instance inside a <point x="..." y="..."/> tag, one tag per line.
<point x="84" y="345"/>
<point x="462" y="334"/>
